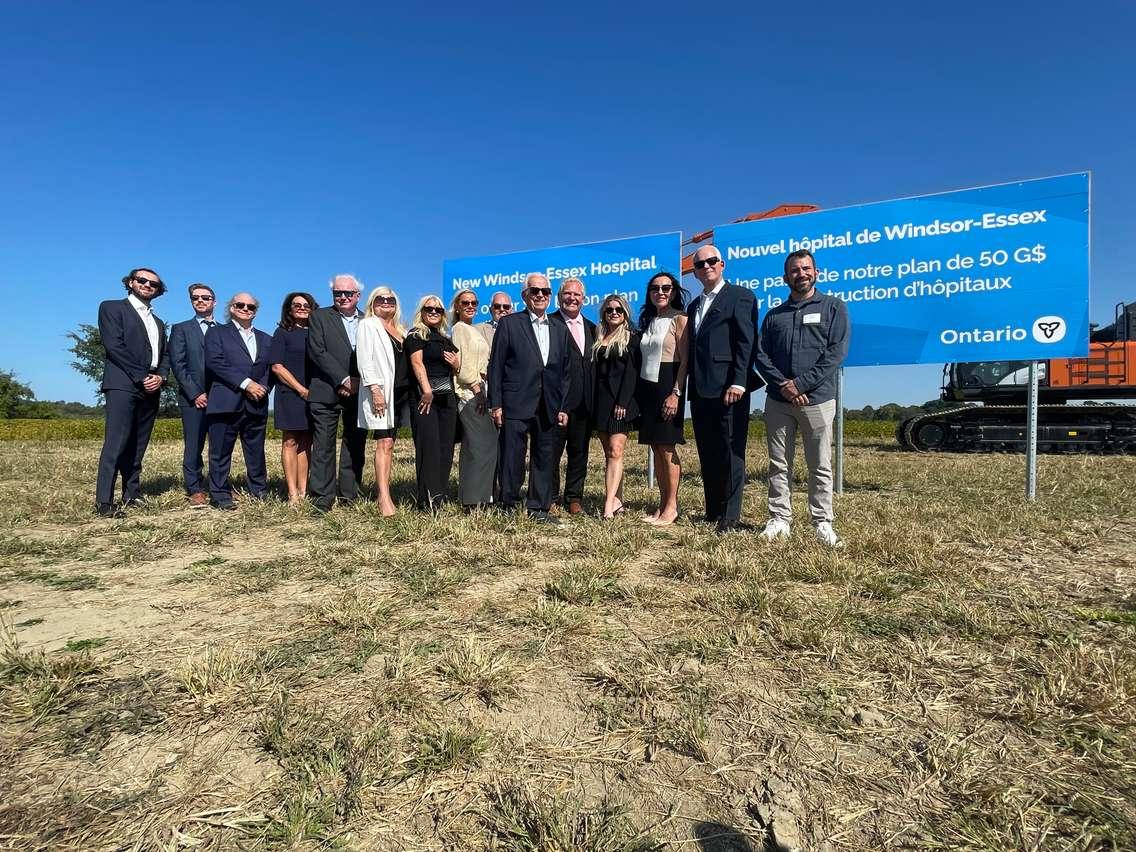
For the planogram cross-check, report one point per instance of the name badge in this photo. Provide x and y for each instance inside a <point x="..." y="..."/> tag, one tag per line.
<point x="810" y="319"/>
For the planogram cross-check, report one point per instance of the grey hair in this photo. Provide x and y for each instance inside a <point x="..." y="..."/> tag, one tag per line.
<point x="567" y="281"/>
<point x="233" y="298"/>
<point x="533" y="275"/>
<point x="354" y="280"/>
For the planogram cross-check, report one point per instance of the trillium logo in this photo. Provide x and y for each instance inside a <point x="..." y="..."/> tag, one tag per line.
<point x="1049" y="329"/>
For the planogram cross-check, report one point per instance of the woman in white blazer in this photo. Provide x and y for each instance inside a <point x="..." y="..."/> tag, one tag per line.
<point x="379" y="331"/>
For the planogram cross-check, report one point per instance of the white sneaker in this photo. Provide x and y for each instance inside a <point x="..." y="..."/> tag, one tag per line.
<point x="775" y="528"/>
<point x="827" y="535"/>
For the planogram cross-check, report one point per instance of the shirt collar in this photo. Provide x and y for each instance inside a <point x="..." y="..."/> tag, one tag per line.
<point x="138" y="304"/>
<point x="716" y="290"/>
<point x="535" y="320"/>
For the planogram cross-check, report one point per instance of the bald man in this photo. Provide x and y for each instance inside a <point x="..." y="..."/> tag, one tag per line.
<point x="500" y="306"/>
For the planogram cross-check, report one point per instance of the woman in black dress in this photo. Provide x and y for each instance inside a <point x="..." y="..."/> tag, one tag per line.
<point x="434" y="360"/>
<point x="615" y="361"/>
<point x="662" y="375"/>
<point x="289" y="367"/>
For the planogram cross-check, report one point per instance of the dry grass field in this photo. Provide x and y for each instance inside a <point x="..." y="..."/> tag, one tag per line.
<point x="961" y="676"/>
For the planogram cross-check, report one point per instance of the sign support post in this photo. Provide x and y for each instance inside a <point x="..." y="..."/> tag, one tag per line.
<point x="838" y="466"/>
<point x="1031" y="434"/>
<point x="650" y="468"/>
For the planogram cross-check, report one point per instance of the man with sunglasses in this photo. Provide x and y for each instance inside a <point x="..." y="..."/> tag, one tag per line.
<point x="135" y="367"/>
<point x="723" y="319"/>
<point x="236" y="369"/>
<point x="333" y="385"/>
<point x="187" y="361"/>
<point x="500" y="306"/>
<point x="575" y="436"/>
<point x="528" y="384"/>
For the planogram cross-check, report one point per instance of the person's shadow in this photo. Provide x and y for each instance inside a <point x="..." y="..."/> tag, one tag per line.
<point x="716" y="837"/>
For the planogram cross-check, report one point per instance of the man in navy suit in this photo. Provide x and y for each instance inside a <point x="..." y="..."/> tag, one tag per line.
<point x="528" y="383"/>
<point x="723" y="320"/>
<point x="135" y="368"/>
<point x="576" y="435"/>
<point x="187" y="361"/>
<point x="236" y="368"/>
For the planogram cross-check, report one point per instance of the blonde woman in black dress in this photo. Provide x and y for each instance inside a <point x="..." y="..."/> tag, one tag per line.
<point x="615" y="362"/>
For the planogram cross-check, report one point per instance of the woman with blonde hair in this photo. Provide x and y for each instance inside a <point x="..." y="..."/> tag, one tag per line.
<point x="478" y="462"/>
<point x="434" y="414"/>
<point x="378" y="361"/>
<point x="615" y="365"/>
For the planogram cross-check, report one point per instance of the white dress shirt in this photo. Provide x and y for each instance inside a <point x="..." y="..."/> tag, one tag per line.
<point x="540" y="329"/>
<point x="704" y="302"/>
<point x="249" y="338"/>
<point x="147" y="317"/>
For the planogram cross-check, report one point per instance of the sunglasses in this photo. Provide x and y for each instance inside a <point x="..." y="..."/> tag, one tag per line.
<point x="245" y="306"/>
<point x="501" y="307"/>
<point x="205" y="298"/>
<point x="344" y="294"/>
<point x="467" y="303"/>
<point x="432" y="309"/>
<point x="386" y="300"/>
<point x="138" y="280"/>
<point x="540" y="291"/>
<point x="614" y="310"/>
<point x="659" y="288"/>
<point x="300" y="306"/>
<point x="710" y="261"/>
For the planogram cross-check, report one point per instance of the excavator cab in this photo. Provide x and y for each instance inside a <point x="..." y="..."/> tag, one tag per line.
<point x="985" y="381"/>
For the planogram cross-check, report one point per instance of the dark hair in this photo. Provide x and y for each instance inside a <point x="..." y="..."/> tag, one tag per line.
<point x="286" y="321"/>
<point x="160" y="290"/>
<point x="678" y="299"/>
<point x="200" y="286"/>
<point x="797" y="255"/>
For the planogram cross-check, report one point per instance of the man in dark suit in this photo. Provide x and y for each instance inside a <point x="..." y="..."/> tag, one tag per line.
<point x="333" y="386"/>
<point x="528" y="383"/>
<point x="134" y="370"/>
<point x="575" y="436"/>
<point x="723" y="323"/>
<point x="187" y="361"/>
<point x="236" y="368"/>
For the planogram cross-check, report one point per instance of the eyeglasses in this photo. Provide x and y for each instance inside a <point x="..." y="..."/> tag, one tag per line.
<point x="618" y="311"/>
<point x="468" y="303"/>
<point x="540" y="291"/>
<point x="344" y="294"/>
<point x="205" y="298"/>
<point x="500" y="307"/>
<point x="386" y="300"/>
<point x="300" y="306"/>
<point x="433" y="309"/>
<point x="710" y="261"/>
<point x="138" y="280"/>
<point x="659" y="288"/>
<point x="245" y="306"/>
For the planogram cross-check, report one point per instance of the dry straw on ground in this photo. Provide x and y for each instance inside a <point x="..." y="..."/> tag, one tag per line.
<point x="961" y="675"/>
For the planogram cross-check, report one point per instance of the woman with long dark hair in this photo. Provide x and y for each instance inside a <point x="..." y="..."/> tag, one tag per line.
<point x="288" y="358"/>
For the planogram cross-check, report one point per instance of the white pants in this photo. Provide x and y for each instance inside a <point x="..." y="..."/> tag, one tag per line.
<point x="815" y="423"/>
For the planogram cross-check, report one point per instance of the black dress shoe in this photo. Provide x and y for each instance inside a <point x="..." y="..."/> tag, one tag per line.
<point x="133" y="503"/>
<point x="108" y="510"/>
<point x="725" y="525"/>
<point x="542" y="517"/>
<point x="227" y="506"/>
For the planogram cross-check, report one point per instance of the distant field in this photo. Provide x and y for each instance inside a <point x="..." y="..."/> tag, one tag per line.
<point x="961" y="676"/>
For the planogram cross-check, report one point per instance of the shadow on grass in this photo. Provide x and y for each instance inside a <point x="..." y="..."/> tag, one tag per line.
<point x="716" y="837"/>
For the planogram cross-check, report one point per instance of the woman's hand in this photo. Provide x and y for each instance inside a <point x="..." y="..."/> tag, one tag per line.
<point x="378" y="400"/>
<point x="453" y="359"/>
<point x="424" y="401"/>
<point x="620" y="412"/>
<point x="670" y="406"/>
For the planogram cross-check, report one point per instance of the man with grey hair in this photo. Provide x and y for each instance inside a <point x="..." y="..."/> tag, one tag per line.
<point x="500" y="306"/>
<point x="333" y="385"/>
<point x="578" y="404"/>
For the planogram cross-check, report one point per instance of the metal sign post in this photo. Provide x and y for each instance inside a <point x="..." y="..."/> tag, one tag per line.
<point x="1031" y="434"/>
<point x="650" y="468"/>
<point x="838" y="466"/>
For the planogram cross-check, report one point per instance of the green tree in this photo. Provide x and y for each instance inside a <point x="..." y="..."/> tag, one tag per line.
<point x="15" y="396"/>
<point x="89" y="354"/>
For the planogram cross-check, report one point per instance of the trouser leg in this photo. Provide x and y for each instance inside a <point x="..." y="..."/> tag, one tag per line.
<point x="544" y="436"/>
<point x="321" y="475"/>
<point x="780" y="439"/>
<point x="193" y="430"/>
<point x="513" y="444"/>
<point x="713" y="452"/>
<point x="252" y="429"/>
<point x="816" y="437"/>
<point x="223" y="430"/>
<point x="116" y="436"/>
<point x="352" y="451"/>
<point x="145" y="413"/>
<point x="576" y="444"/>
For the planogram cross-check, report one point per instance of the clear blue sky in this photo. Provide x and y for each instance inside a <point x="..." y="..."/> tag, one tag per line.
<point x="266" y="146"/>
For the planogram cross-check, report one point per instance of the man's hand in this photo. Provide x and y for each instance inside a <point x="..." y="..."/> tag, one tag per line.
<point x="304" y="393"/>
<point x="201" y="400"/>
<point x="732" y="395"/>
<point x="562" y="419"/>
<point x="152" y="383"/>
<point x="256" y="391"/>
<point x="498" y="417"/>
<point x="789" y="389"/>
<point x="800" y="400"/>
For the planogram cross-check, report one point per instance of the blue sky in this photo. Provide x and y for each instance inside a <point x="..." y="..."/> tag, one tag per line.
<point x="264" y="147"/>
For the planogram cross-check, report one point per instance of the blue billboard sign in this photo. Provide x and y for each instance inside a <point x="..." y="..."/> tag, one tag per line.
<point x="613" y="266"/>
<point x="993" y="273"/>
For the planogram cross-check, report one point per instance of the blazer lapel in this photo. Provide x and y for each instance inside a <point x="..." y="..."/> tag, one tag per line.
<point x="530" y="333"/>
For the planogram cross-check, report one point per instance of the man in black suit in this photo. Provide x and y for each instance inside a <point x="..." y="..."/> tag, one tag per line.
<point x="575" y="436"/>
<point x="528" y="383"/>
<point x="333" y="386"/>
<point x="236" y="368"/>
<point x="187" y="361"/>
<point x="134" y="370"/>
<point x="723" y="323"/>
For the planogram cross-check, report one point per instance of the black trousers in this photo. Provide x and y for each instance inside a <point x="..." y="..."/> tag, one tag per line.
<point x="224" y="429"/>
<point x="573" y="438"/>
<point x="516" y="436"/>
<point x="720" y="432"/>
<point x="129" y="422"/>
<point x="193" y="430"/>
<point x="434" y="447"/>
<point x="322" y="482"/>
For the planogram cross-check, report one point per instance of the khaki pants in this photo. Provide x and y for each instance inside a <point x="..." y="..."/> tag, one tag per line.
<point x="781" y="424"/>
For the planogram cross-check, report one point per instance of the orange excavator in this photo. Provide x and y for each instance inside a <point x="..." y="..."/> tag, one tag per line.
<point x="772" y="213"/>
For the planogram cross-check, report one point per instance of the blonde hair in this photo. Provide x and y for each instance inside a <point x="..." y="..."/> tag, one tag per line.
<point x="454" y="320"/>
<point x="369" y="310"/>
<point x="418" y="328"/>
<point x="614" y="343"/>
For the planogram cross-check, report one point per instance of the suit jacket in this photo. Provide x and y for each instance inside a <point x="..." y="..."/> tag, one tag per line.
<point x="227" y="364"/>
<point x="128" y="353"/>
<point x="579" y="365"/>
<point x="519" y="382"/>
<point x="330" y="356"/>
<point x="722" y="349"/>
<point x="187" y="360"/>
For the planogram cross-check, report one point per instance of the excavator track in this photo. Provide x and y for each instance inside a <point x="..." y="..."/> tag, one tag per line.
<point x="1002" y="428"/>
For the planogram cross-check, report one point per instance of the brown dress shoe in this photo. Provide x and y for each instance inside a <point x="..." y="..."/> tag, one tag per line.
<point x="200" y="500"/>
<point x="574" y="508"/>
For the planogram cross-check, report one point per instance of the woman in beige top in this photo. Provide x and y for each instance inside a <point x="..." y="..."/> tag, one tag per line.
<point x="478" y="463"/>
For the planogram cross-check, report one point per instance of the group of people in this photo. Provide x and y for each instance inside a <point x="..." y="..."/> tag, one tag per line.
<point x="523" y="390"/>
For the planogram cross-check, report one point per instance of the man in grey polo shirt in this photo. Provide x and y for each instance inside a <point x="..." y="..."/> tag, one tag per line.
<point x="802" y="344"/>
